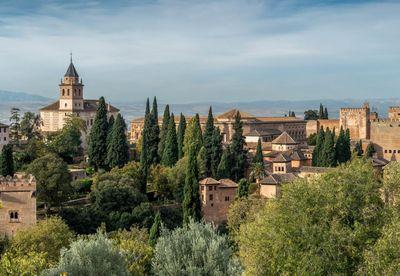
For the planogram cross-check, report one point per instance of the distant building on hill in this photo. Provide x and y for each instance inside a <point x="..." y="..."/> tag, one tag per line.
<point x="18" y="199"/>
<point x="71" y="102"/>
<point x="215" y="197"/>
<point x="4" y="135"/>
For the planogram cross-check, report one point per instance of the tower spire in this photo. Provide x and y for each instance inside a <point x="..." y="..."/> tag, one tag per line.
<point x="70" y="54"/>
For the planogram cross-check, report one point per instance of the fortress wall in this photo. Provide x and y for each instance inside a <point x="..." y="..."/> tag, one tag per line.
<point x="385" y="134"/>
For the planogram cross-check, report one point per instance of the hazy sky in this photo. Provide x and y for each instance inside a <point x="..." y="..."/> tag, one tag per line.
<point x="186" y="51"/>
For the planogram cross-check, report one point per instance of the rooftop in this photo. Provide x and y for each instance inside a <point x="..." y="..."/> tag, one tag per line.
<point x="284" y="139"/>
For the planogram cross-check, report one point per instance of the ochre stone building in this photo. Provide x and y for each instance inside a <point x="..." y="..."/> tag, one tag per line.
<point x="71" y="102"/>
<point x="215" y="198"/>
<point x="254" y="127"/>
<point x="4" y="135"/>
<point x="18" y="198"/>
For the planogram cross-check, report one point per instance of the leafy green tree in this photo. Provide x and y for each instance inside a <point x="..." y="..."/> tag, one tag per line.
<point x="191" y="201"/>
<point x="52" y="178"/>
<point x="201" y="163"/>
<point x="193" y="136"/>
<point x="243" y="188"/>
<point x="258" y="157"/>
<point x="321" y="225"/>
<point x="97" y="148"/>
<point x="257" y="171"/>
<point x="177" y="176"/>
<point x="208" y="143"/>
<point x="170" y="151"/>
<point x="216" y="151"/>
<point x="391" y="184"/>
<point x="312" y="139"/>
<point x="160" y="182"/>
<point x="328" y="150"/>
<point x="7" y="161"/>
<point x="29" y="125"/>
<point x="239" y="158"/>
<point x="46" y="238"/>
<point x="358" y="149"/>
<point x="195" y="249"/>
<point x="181" y="135"/>
<point x="15" y="127"/>
<point x="135" y="248"/>
<point x="311" y="114"/>
<point x="111" y="122"/>
<point x="164" y="131"/>
<point x="30" y="264"/>
<point x="224" y="166"/>
<point x="90" y="255"/>
<point x="317" y="152"/>
<point x="118" y="149"/>
<point x="155" y="230"/>
<point x="369" y="152"/>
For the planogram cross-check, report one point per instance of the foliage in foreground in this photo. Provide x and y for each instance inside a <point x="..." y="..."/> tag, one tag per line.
<point x="195" y="249"/>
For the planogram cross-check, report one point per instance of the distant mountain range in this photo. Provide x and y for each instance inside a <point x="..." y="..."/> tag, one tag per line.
<point x="30" y="102"/>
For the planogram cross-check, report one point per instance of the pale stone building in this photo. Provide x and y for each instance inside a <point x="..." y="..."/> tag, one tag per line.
<point x="216" y="196"/>
<point x="71" y="102"/>
<point x="18" y="198"/>
<point x="4" y="135"/>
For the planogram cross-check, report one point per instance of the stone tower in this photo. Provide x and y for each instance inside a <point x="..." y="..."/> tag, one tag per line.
<point x="357" y="120"/>
<point x="71" y="90"/>
<point x="18" y="197"/>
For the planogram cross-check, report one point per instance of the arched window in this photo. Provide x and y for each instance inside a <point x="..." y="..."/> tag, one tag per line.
<point x="65" y="104"/>
<point x="12" y="215"/>
<point x="68" y="92"/>
<point x="15" y="215"/>
<point x="63" y="92"/>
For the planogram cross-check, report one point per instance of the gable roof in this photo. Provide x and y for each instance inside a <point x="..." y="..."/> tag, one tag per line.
<point x="297" y="155"/>
<point x="227" y="183"/>
<point x="262" y="132"/>
<point x="282" y="158"/>
<point x="284" y="139"/>
<point x="209" y="181"/>
<point x="277" y="178"/>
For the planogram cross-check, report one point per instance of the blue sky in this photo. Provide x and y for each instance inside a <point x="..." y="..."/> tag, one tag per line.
<point x="187" y="51"/>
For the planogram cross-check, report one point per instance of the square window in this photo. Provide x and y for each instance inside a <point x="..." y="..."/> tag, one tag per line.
<point x="211" y="197"/>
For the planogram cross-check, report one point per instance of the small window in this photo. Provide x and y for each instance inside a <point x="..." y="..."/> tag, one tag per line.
<point x="211" y="197"/>
<point x="202" y="188"/>
<point x="227" y="198"/>
<point x="385" y="151"/>
<point x="63" y="92"/>
<point x="5" y="138"/>
<point x="390" y="151"/>
<point x="215" y="188"/>
<point x="210" y="188"/>
<point x="65" y="104"/>
<point x="212" y="204"/>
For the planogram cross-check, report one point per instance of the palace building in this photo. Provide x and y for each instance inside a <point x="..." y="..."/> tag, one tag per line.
<point x="71" y="102"/>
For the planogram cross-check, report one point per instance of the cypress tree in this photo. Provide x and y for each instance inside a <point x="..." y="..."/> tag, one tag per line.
<point x="208" y="142"/>
<point x="144" y="162"/>
<point x="340" y="147"/>
<point x="170" y="154"/>
<point x="181" y="135"/>
<point x="193" y="135"/>
<point x="326" y="114"/>
<point x="110" y="128"/>
<point x="370" y="150"/>
<point x="191" y="199"/>
<point x="239" y="158"/>
<point x="216" y="151"/>
<point x="258" y="157"/>
<point x="347" y="150"/>
<point x="97" y="148"/>
<point x="163" y="131"/>
<point x="7" y="161"/>
<point x="224" y="166"/>
<point x="201" y="163"/>
<point x="316" y="158"/>
<point x="358" y="149"/>
<point x="321" y="111"/>
<point x="118" y="149"/>
<point x="154" y="135"/>
<point x="155" y="230"/>
<point x="243" y="188"/>
<point x="329" y="152"/>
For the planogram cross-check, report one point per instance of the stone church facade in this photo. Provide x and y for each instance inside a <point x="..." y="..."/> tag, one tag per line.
<point x="71" y="102"/>
<point x="18" y="200"/>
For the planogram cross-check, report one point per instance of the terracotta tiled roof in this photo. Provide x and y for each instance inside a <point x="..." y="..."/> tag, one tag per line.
<point x="232" y="113"/>
<point x="89" y="105"/>
<point x="209" y="181"/>
<point x="297" y="155"/>
<point x="279" y="119"/>
<point x="277" y="178"/>
<point x="262" y="132"/>
<point x="227" y="183"/>
<point x="284" y="139"/>
<point x="282" y="158"/>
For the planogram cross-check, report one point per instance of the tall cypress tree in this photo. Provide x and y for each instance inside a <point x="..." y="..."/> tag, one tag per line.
<point x="118" y="149"/>
<point x="7" y="161"/>
<point x="316" y="158"/>
<point x="321" y="111"/>
<point x="170" y="153"/>
<point x="216" y="152"/>
<point x="181" y="135"/>
<point x="163" y="131"/>
<point x="144" y="156"/>
<point x="326" y="113"/>
<point x="329" y="152"/>
<point x="193" y="135"/>
<point x="155" y="230"/>
<point x="110" y="128"/>
<point x="258" y="157"/>
<point x="201" y="163"/>
<point x="154" y="135"/>
<point x="208" y="142"/>
<point x="224" y="166"/>
<point x="191" y="199"/>
<point x="239" y="158"/>
<point x="97" y="149"/>
<point x="340" y="147"/>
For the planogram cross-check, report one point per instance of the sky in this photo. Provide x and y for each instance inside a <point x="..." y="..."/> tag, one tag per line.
<point x="198" y="51"/>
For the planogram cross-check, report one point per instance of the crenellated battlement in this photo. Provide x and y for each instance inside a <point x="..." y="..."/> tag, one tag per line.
<point x="353" y="109"/>
<point x="18" y="182"/>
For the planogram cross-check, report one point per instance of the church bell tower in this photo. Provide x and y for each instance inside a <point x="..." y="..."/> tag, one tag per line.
<point x="71" y="90"/>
